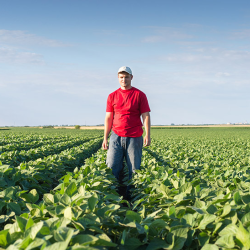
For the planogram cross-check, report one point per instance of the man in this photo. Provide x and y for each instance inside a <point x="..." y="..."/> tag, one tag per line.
<point x="125" y="106"/>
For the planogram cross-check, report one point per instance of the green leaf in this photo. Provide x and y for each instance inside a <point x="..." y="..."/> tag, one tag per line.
<point x="95" y="184"/>
<point x="2" y="205"/>
<point x="186" y="188"/>
<point x="4" y="238"/>
<point x="3" y="168"/>
<point x="229" y="229"/>
<point x="64" y="234"/>
<point x="60" y="209"/>
<point x="133" y="216"/>
<point x="203" y="238"/>
<point x="180" y="236"/>
<point x="243" y="236"/>
<point x="71" y="189"/>
<point x="26" y="241"/>
<point x="192" y="209"/>
<point x="189" y="240"/>
<point x="8" y="193"/>
<point x="84" y="239"/>
<point x="124" y="234"/>
<point x="58" y="246"/>
<point x="21" y="223"/>
<point x="217" y="227"/>
<point x="34" y="195"/>
<point x="237" y="199"/>
<point x="64" y="222"/>
<point x="3" y="218"/>
<point x="226" y="210"/>
<point x="26" y="197"/>
<point x="44" y="230"/>
<point x="132" y="243"/>
<point x="188" y="219"/>
<point x="65" y="199"/>
<point x="32" y="231"/>
<point x="171" y="212"/>
<point x="212" y="209"/>
<point x="152" y="215"/>
<point x="164" y="189"/>
<point x="15" y="208"/>
<point x="101" y="242"/>
<point x="246" y="198"/>
<point x="68" y="213"/>
<point x="130" y="224"/>
<point x="83" y="248"/>
<point x="136" y="203"/>
<point x="92" y="201"/>
<point x="199" y="204"/>
<point x="49" y="199"/>
<point x="105" y="210"/>
<point x="158" y="243"/>
<point x="175" y="184"/>
<point x="159" y="223"/>
<point x="225" y="241"/>
<point x="246" y="220"/>
<point x="112" y="197"/>
<point x="210" y="247"/>
<point x="36" y="243"/>
<point x="207" y="218"/>
<point x="104" y="240"/>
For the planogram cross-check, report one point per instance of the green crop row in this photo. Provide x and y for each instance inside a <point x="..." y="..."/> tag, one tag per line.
<point x="78" y="212"/>
<point x="14" y="158"/>
<point x="41" y="175"/>
<point x="168" y="212"/>
<point x="21" y="137"/>
<point x="18" y="146"/>
<point x="17" y="139"/>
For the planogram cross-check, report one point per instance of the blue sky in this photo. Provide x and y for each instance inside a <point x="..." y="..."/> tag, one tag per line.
<point x="59" y="59"/>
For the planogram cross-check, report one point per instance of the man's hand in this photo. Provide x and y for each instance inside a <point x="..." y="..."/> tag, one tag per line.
<point x="147" y="141"/>
<point x="105" y="144"/>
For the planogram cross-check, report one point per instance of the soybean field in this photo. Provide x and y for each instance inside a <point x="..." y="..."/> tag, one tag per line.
<point x="192" y="191"/>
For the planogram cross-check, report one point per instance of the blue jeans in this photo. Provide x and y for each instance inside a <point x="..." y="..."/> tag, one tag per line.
<point x="129" y="148"/>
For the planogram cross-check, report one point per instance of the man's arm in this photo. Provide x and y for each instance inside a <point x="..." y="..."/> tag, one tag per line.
<point x="146" y="122"/>
<point x="108" y="125"/>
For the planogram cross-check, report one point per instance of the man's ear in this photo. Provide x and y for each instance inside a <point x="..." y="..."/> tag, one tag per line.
<point x="132" y="77"/>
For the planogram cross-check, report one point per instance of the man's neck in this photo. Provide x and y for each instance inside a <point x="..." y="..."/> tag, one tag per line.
<point x="126" y="88"/>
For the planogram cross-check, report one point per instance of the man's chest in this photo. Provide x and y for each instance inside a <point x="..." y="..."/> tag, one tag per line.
<point x="126" y="102"/>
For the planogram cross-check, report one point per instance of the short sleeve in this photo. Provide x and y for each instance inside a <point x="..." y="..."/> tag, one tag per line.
<point x="109" y="107"/>
<point x="144" y="106"/>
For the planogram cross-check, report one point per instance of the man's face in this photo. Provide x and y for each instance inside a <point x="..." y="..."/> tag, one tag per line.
<point x="125" y="80"/>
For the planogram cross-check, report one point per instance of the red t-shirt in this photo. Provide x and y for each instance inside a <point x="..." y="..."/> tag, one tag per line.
<point x="127" y="105"/>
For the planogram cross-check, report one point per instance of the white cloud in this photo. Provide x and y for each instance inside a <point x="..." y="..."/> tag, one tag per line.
<point x="222" y="74"/>
<point x="187" y="58"/>
<point x="104" y="32"/>
<point x="8" y="55"/>
<point x="23" y="37"/>
<point x="165" y="33"/>
<point x="78" y="83"/>
<point x="153" y="39"/>
<point x="212" y="55"/>
<point x="241" y="34"/>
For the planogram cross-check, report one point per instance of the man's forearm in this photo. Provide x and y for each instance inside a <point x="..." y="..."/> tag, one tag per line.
<point x="147" y="125"/>
<point x="107" y="131"/>
<point x="108" y="126"/>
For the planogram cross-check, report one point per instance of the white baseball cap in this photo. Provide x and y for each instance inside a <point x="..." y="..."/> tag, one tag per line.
<point x="125" y="69"/>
